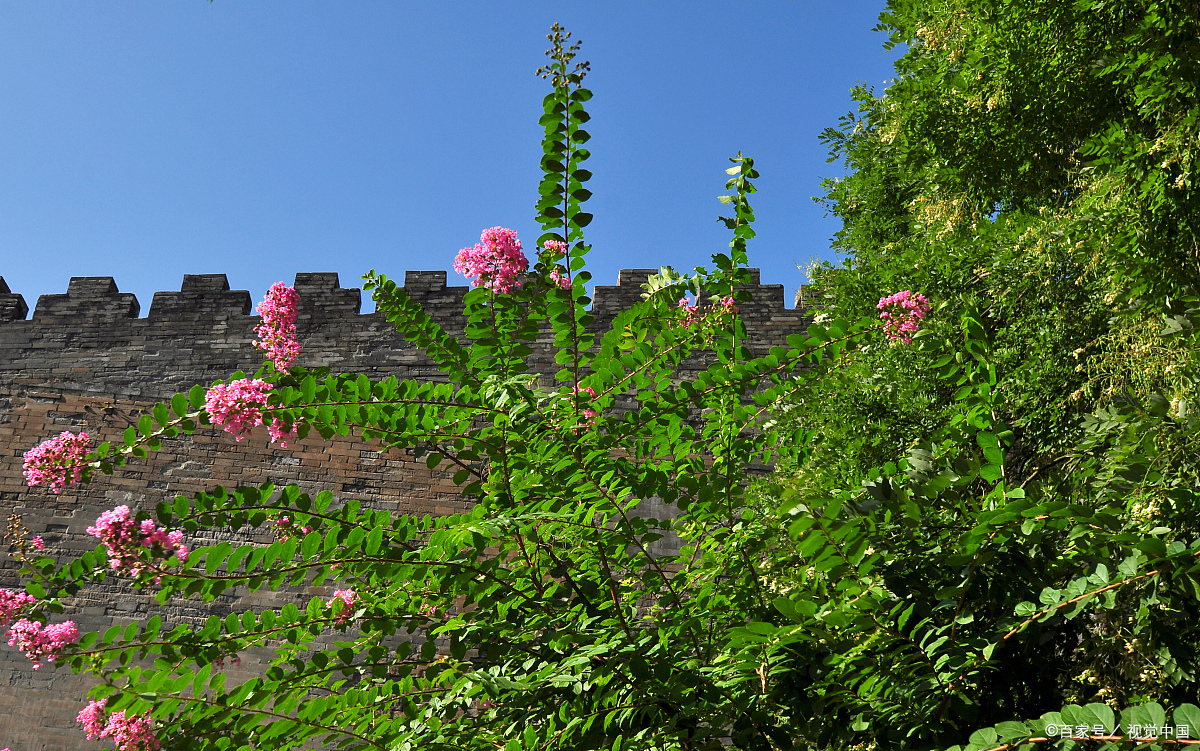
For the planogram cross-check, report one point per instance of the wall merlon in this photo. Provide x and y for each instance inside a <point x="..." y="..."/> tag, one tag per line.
<point x="88" y="298"/>
<point x="608" y="300"/>
<point x="429" y="288"/>
<point x="12" y="306"/>
<point x="201" y="298"/>
<point x="322" y="297"/>
<point x="200" y="284"/>
<point x="424" y="281"/>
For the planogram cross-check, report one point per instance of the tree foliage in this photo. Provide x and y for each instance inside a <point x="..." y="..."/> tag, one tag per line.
<point x="1030" y="482"/>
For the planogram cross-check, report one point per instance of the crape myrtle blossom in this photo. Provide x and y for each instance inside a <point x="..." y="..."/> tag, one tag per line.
<point x="495" y="262"/>
<point x="285" y="528"/>
<point x="690" y="311"/>
<point x="93" y="719"/>
<point x="126" y="539"/>
<point x="129" y="732"/>
<point x="219" y="663"/>
<point x="902" y="314"/>
<point x="428" y="611"/>
<point x="280" y="433"/>
<point x="12" y="603"/>
<point x="587" y="414"/>
<point x="39" y="543"/>
<point x="42" y="644"/>
<point x="347" y="597"/>
<point x="238" y="406"/>
<point x="559" y="278"/>
<point x="277" y="332"/>
<point x="57" y="462"/>
<point x="558" y="275"/>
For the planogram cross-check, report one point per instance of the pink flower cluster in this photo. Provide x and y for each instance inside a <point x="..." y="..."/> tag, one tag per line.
<point x="219" y="663"/>
<point x="690" y="311"/>
<point x="347" y="598"/>
<point x="285" y="528"/>
<point x="238" y="405"/>
<point x="728" y="305"/>
<point x="496" y="261"/>
<point x="57" y="462"/>
<point x="280" y="433"/>
<point x="12" y="603"/>
<point x="38" y="542"/>
<point x="902" y="314"/>
<point x="558" y="275"/>
<point x="129" y="732"/>
<point x="560" y="278"/>
<point x="277" y="332"/>
<point x="588" y="414"/>
<point x="126" y="539"/>
<point x="93" y="719"/>
<point x="42" y="644"/>
<point x="428" y="611"/>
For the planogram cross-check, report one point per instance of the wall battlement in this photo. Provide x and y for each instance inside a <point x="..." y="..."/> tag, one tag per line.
<point x="94" y="299"/>
<point x="87" y="360"/>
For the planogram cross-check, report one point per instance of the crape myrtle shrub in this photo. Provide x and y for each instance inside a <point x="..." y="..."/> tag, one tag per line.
<point x="935" y="600"/>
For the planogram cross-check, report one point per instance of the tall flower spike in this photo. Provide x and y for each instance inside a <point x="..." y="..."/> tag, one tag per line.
<point x="277" y="332"/>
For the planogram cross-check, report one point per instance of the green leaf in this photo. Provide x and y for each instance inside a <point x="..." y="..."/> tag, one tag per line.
<point x="1099" y="714"/>
<point x="798" y="612"/>
<point x="196" y="397"/>
<point x="374" y="540"/>
<point x="1010" y="730"/>
<point x="984" y="738"/>
<point x="1189" y="714"/>
<point x="311" y="545"/>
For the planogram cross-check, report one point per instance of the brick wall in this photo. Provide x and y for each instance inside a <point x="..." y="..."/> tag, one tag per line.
<point x="85" y="360"/>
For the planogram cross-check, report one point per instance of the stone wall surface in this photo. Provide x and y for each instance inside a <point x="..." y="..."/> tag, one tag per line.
<point x="86" y="361"/>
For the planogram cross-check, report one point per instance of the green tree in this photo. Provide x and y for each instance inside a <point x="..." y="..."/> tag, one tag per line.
<point x="1030" y="482"/>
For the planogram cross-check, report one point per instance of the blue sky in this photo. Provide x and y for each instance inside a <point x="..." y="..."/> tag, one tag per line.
<point x="144" y="139"/>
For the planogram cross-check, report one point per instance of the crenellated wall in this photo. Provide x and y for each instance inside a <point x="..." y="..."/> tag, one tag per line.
<point x="85" y="360"/>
